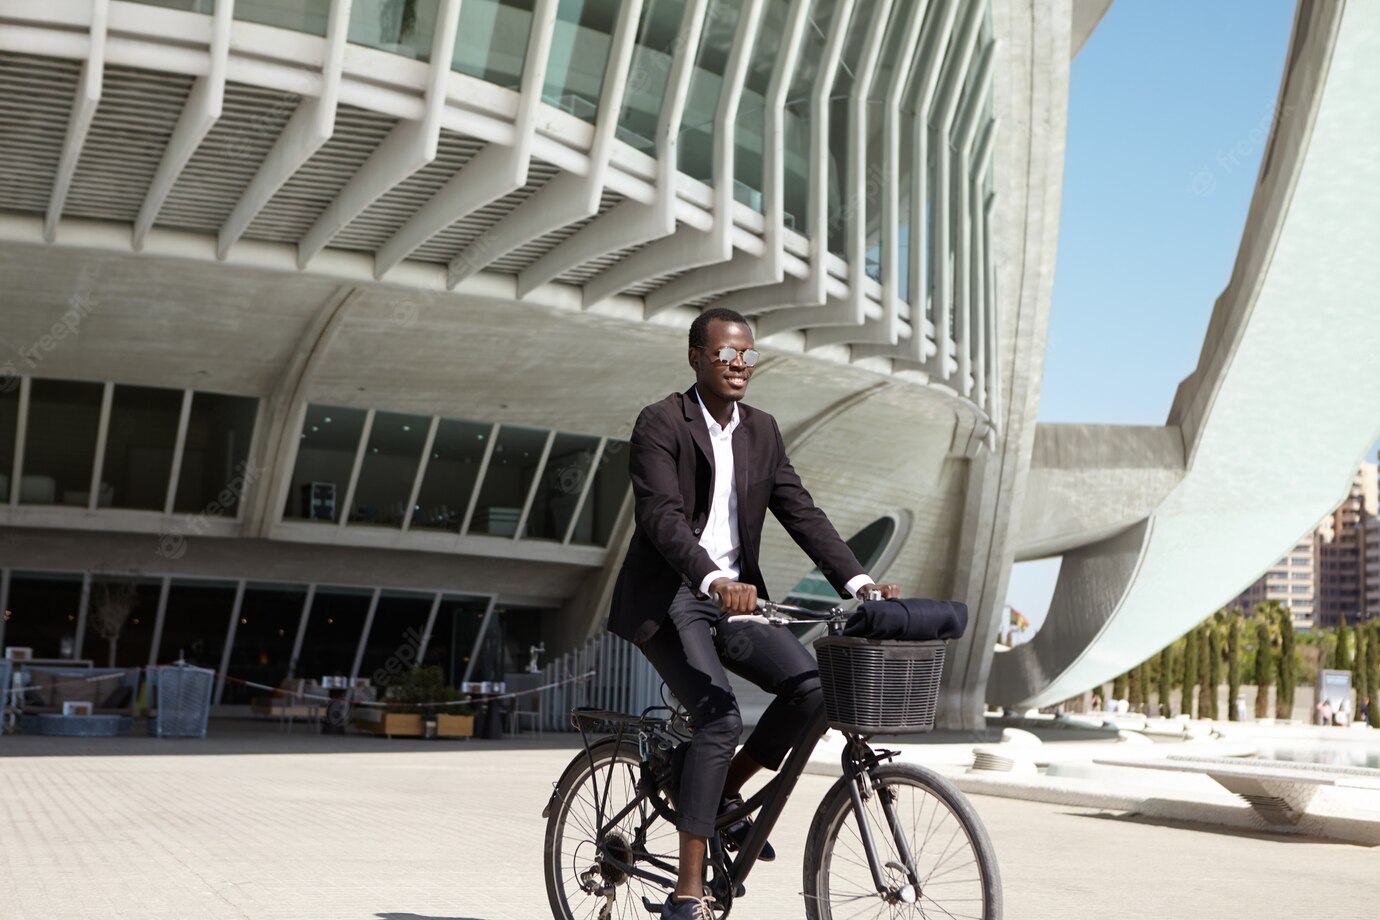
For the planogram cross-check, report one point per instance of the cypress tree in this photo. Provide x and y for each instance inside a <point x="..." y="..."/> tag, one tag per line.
<point x="1166" y="680"/>
<point x="1205" y="688"/>
<point x="1119" y="687"/>
<point x="1214" y="668"/>
<point x="1373" y="677"/>
<point x="1135" y="687"/>
<point x="1284" y="703"/>
<point x="1341" y="660"/>
<point x="1191" y="661"/>
<point x="1362" y="675"/>
<point x="1234" y="640"/>
<point x="1264" y="667"/>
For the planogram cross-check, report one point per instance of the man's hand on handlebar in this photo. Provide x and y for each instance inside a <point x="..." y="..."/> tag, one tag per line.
<point x="888" y="591"/>
<point x="735" y="597"/>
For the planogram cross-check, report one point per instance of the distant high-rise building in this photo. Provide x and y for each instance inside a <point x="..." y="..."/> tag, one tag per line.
<point x="1334" y="571"/>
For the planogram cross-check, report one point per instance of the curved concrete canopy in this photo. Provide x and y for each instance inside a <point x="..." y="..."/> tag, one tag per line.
<point x="1270" y="445"/>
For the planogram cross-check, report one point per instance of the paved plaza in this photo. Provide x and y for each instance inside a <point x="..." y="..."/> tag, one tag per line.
<point x="257" y="824"/>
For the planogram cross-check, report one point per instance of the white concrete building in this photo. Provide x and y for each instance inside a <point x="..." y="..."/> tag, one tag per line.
<point x="330" y="318"/>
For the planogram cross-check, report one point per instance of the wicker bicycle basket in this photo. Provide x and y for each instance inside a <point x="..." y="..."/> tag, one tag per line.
<point x="876" y="686"/>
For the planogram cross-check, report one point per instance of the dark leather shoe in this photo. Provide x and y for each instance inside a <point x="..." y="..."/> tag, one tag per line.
<point x="735" y="835"/>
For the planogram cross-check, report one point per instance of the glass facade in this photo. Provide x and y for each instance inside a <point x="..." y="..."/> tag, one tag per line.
<point x="567" y="470"/>
<point x="267" y="627"/>
<point x="451" y="473"/>
<point x="41" y="613"/>
<point x="60" y="443"/>
<point x="215" y="455"/>
<point x="395" y="639"/>
<point x="139" y="447"/>
<point x="9" y="429"/>
<point x="652" y="57"/>
<point x="841" y="207"/>
<point x="389" y="468"/>
<point x="579" y="56"/>
<point x="516" y="459"/>
<point x="120" y="618"/>
<point x="404" y="27"/>
<point x="695" y="145"/>
<point x="452" y="635"/>
<point x="333" y="631"/>
<point x="491" y="43"/>
<point x="195" y="621"/>
<point x="325" y="460"/>
<point x="749" y="144"/>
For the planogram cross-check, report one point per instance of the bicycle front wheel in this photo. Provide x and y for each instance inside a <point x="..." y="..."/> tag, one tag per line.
<point x="932" y="851"/>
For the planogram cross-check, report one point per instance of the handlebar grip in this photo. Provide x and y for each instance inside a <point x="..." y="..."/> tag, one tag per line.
<point x="749" y="618"/>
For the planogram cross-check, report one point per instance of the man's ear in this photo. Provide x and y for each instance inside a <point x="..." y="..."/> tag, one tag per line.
<point x="690" y="356"/>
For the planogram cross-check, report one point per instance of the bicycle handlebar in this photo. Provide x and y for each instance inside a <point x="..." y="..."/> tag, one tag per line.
<point x="771" y="613"/>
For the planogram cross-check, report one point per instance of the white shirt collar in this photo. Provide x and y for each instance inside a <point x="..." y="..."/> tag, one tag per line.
<point x="709" y="419"/>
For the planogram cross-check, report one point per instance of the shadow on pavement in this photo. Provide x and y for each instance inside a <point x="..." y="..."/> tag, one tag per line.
<point x="391" y="916"/>
<point x="252" y="736"/>
<point x="1220" y="829"/>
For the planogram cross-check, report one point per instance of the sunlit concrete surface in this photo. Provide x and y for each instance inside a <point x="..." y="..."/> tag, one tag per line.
<point x="269" y="825"/>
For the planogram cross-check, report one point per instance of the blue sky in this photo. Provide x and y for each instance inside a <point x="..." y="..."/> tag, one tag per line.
<point x="1170" y="102"/>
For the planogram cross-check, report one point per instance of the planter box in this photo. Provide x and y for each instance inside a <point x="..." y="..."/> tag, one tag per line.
<point x="408" y="724"/>
<point x="454" y="726"/>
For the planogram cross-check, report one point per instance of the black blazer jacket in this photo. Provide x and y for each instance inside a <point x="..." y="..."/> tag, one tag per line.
<point x="672" y="470"/>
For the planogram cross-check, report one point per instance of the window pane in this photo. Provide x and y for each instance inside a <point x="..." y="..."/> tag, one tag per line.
<point x="606" y="495"/>
<point x="402" y="28"/>
<point x="333" y="630"/>
<point x="299" y="15"/>
<point x="139" y="447"/>
<point x="748" y="127"/>
<point x="492" y="40"/>
<point x="797" y="121"/>
<point x="562" y="483"/>
<point x="269" y="616"/>
<point x="651" y="66"/>
<point x="579" y="55"/>
<point x="456" y="454"/>
<point x="195" y="622"/>
<point x="695" y="147"/>
<point x="507" y="481"/>
<point x="325" y="459"/>
<point x="840" y="128"/>
<point x="216" y="455"/>
<point x="60" y="444"/>
<point x="119" y="620"/>
<point x="9" y="424"/>
<point x="41" y="613"/>
<point x="389" y="468"/>
<point x="452" y="637"/>
<point x="396" y="635"/>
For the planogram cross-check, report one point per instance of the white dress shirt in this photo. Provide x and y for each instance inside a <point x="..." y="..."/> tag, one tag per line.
<point x="720" y="537"/>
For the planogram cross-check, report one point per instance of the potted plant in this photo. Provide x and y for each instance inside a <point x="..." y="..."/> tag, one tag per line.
<point x="403" y="716"/>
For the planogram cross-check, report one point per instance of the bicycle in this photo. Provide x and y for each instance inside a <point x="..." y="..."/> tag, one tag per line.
<point x="611" y="839"/>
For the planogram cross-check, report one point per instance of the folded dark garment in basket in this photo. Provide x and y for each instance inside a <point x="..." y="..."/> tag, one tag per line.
<point x="914" y="619"/>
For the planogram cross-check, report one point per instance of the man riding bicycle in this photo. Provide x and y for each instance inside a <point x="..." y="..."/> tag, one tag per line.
<point x="705" y="470"/>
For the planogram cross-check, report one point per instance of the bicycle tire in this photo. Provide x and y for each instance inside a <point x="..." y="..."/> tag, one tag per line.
<point x="570" y="846"/>
<point x="837" y="874"/>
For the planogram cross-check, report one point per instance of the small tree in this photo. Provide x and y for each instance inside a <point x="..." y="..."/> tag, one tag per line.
<point x="1192" y="659"/>
<point x="1166" y="680"/>
<point x="1214" y="668"/>
<point x="1264" y="667"/>
<point x="1341" y="658"/>
<point x="1361" y="672"/>
<point x="1135" y="683"/>
<point x="1235" y="638"/>
<point x="113" y="599"/>
<point x="1373" y="670"/>
<point x="1288" y="664"/>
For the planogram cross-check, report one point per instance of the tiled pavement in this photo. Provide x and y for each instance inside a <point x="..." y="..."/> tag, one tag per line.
<point x="257" y="825"/>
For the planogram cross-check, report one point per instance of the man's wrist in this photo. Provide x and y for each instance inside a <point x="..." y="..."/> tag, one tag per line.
<point x="713" y="577"/>
<point x="857" y="583"/>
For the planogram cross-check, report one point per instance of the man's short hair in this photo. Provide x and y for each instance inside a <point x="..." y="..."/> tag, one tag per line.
<point x="699" y="329"/>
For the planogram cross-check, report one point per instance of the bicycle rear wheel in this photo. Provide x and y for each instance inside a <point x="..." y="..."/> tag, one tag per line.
<point x="582" y="881"/>
<point x="952" y="871"/>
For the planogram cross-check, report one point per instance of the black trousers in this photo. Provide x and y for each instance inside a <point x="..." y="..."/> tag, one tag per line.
<point x="691" y="651"/>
